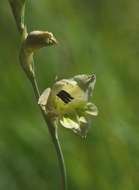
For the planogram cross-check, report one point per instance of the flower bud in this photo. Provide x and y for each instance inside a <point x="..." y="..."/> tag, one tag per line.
<point x="34" y="41"/>
<point x="39" y="39"/>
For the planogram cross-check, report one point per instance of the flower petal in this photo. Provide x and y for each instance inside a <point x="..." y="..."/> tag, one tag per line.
<point x="83" y="126"/>
<point x="82" y="119"/>
<point x="91" y="109"/>
<point x="79" y="125"/>
<point x="69" y="123"/>
<point x="44" y="98"/>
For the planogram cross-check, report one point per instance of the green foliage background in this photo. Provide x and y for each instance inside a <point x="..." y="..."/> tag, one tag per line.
<point x="95" y="36"/>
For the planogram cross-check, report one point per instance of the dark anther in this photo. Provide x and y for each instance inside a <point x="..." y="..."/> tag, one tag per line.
<point x="65" y="96"/>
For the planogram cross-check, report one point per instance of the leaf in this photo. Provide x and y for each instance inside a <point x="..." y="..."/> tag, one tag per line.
<point x="18" y="8"/>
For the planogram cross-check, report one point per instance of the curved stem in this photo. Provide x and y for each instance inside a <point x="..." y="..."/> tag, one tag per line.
<point x="26" y="59"/>
<point x="61" y="160"/>
<point x="53" y="130"/>
<point x="35" y="88"/>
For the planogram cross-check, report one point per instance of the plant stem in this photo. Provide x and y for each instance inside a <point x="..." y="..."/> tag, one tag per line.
<point x="61" y="160"/>
<point x="53" y="130"/>
<point x="51" y="126"/>
<point x="25" y="58"/>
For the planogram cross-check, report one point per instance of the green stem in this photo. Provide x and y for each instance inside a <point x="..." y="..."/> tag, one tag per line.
<point x="27" y="59"/>
<point x="61" y="160"/>
<point x="53" y="130"/>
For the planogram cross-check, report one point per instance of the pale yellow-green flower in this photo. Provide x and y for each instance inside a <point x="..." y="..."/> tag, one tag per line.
<point x="68" y="101"/>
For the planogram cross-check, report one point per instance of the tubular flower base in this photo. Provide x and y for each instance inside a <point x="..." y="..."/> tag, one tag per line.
<point x="68" y="102"/>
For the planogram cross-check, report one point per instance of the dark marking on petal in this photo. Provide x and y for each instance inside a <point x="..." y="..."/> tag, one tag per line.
<point x="65" y="96"/>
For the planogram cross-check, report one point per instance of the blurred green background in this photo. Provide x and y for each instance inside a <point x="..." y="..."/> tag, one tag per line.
<point x="100" y="36"/>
